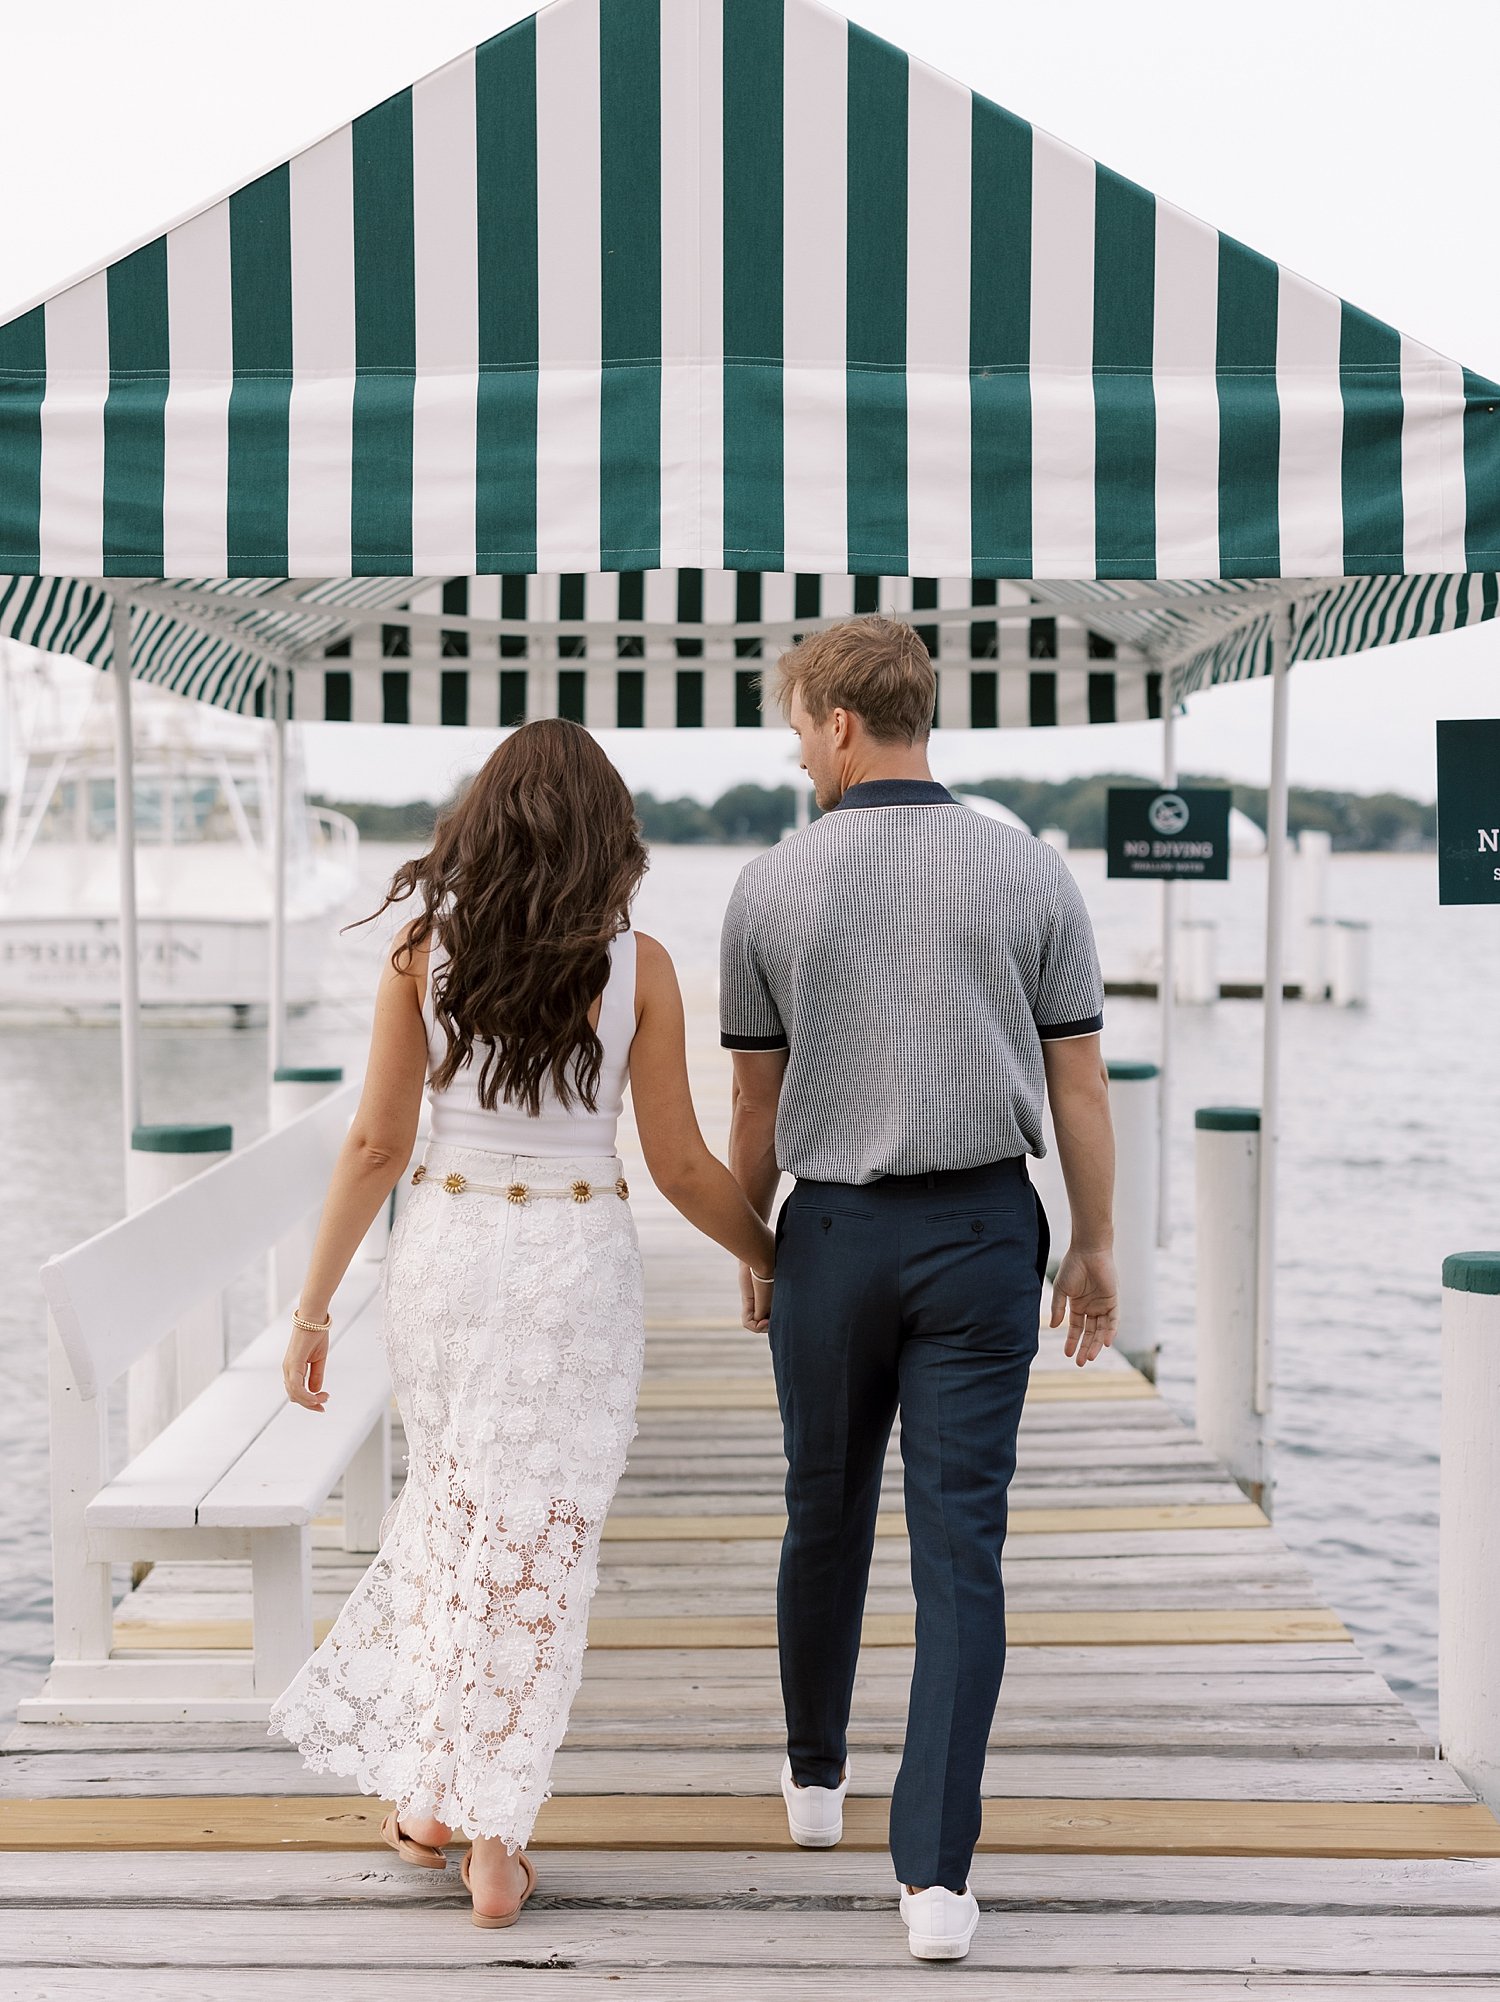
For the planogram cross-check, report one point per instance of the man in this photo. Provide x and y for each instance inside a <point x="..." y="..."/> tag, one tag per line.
<point x="898" y="981"/>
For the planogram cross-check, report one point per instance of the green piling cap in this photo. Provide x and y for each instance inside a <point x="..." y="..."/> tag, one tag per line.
<point x="1472" y="1272"/>
<point x="182" y="1139"/>
<point x="309" y="1074"/>
<point x="1227" y="1119"/>
<point x="1128" y="1071"/>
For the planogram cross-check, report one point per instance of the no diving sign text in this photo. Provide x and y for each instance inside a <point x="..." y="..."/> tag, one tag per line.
<point x="1179" y="833"/>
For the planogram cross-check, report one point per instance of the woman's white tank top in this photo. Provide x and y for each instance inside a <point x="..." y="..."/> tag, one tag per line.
<point x="459" y="1120"/>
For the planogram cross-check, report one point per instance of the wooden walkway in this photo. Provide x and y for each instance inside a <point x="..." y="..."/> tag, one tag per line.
<point x="1197" y="1788"/>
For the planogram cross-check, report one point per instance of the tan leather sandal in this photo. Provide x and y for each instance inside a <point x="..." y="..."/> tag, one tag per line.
<point x="421" y="1853"/>
<point x="498" y="1919"/>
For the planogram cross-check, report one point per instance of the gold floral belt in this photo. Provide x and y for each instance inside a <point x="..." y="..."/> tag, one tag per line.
<point x="524" y="1192"/>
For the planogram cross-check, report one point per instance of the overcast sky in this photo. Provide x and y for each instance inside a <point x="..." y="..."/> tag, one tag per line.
<point x="1350" y="141"/>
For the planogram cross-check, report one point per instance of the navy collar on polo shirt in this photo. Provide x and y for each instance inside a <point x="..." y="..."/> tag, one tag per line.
<point x="898" y="792"/>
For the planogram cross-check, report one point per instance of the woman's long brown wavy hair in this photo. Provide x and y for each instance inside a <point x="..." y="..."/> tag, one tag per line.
<point x="528" y="879"/>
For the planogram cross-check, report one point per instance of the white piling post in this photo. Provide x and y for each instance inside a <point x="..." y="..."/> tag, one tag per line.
<point x="1469" y="1523"/>
<point x="1314" y="846"/>
<point x="1233" y="1422"/>
<point x="294" y="1088"/>
<point x="1349" y="980"/>
<point x="297" y="1087"/>
<point x="130" y="962"/>
<point x="1055" y="837"/>
<point x="1135" y="1111"/>
<point x="1197" y="980"/>
<point x="276" y="999"/>
<point x="1166" y="996"/>
<point x="182" y="1363"/>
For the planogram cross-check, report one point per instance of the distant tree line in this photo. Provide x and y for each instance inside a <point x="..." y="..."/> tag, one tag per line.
<point x="1386" y="822"/>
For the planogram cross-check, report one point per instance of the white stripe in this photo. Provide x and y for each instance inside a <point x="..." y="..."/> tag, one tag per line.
<point x="938" y="250"/>
<point x="953" y="698"/>
<point x="1062" y="356"/>
<point x="1310" y="498"/>
<point x="1015" y="695"/>
<point x="1072" y="697"/>
<point x="1184" y="354"/>
<point x="195" y="469"/>
<point x="484" y="693"/>
<point x="71" y="526"/>
<point x="424" y="694"/>
<point x="661" y="697"/>
<point x="1433" y="498"/>
<point x="814" y="263"/>
<point x="777" y="596"/>
<point x="692" y="283"/>
<point x="718" y="695"/>
<point x="445" y="222"/>
<point x="600" y="707"/>
<point x="321" y="416"/>
<point x="569" y="304"/>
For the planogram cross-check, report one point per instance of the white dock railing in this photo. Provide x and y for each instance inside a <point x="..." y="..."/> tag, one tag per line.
<point x="240" y="1472"/>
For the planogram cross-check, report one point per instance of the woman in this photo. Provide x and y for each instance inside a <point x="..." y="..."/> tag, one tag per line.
<point x="513" y="1297"/>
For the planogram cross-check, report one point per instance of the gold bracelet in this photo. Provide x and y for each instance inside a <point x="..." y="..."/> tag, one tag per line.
<point x="763" y="1282"/>
<point x="312" y="1327"/>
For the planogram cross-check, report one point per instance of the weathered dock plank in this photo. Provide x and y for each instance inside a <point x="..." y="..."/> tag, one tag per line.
<point x="1178" y="1700"/>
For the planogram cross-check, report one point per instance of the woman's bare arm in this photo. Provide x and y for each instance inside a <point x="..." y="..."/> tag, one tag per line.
<point x="692" y="1179"/>
<point x="375" y="1150"/>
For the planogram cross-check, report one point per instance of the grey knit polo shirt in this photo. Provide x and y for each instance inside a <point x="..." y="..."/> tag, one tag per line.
<point x="911" y="956"/>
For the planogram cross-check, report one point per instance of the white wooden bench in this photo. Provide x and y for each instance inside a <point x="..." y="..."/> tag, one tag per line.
<point x="240" y="1472"/>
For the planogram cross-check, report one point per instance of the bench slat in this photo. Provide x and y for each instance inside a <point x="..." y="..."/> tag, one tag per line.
<point x="162" y="1487"/>
<point x="293" y="1463"/>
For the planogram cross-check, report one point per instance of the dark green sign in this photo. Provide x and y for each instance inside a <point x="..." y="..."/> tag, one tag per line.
<point x="1468" y="813"/>
<point x="1184" y="832"/>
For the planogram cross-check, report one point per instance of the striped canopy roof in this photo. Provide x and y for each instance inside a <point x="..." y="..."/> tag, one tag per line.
<point x="698" y="287"/>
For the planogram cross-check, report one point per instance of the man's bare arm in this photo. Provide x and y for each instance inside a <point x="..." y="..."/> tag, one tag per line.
<point x="1086" y="1287"/>
<point x="752" y="1154"/>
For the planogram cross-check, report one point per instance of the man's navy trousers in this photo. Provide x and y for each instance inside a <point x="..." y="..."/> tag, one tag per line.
<point x="919" y="1294"/>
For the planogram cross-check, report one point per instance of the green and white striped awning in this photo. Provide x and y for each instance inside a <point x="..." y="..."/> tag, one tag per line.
<point x="665" y="289"/>
<point x="618" y="649"/>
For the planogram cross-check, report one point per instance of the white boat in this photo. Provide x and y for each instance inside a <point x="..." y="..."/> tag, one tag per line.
<point x="203" y="857"/>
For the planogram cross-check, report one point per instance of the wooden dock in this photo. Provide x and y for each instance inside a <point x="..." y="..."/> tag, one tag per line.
<point x="1197" y="1788"/>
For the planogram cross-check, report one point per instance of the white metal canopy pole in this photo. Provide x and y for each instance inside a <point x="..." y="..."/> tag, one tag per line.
<point x="1166" y="996"/>
<point x="130" y="964"/>
<point x="1270" y="1109"/>
<point x="276" y="1006"/>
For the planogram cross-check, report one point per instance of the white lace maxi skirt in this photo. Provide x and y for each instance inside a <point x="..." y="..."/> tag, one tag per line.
<point x="515" y="1336"/>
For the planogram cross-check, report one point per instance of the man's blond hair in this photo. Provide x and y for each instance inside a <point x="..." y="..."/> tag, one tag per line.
<point x="876" y="666"/>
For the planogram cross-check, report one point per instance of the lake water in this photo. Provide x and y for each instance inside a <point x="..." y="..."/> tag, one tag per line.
<point x="1391" y="1159"/>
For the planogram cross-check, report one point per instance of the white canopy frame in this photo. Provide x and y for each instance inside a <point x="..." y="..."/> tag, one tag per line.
<point x="188" y="606"/>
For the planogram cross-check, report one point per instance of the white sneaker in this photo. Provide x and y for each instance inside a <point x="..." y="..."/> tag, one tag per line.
<point x="940" y="1924"/>
<point x="814" y="1815"/>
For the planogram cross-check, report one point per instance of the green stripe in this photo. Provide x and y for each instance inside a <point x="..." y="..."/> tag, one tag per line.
<point x="1482" y="470"/>
<point x="1249" y="414"/>
<point x="134" y="412"/>
<point x="754" y="498"/>
<point x="630" y="270"/>
<point x="1370" y="383"/>
<point x="505" y="119"/>
<point x="260" y="258"/>
<point x="1124" y="402"/>
<point x="876" y="316"/>
<point x="385" y="339"/>
<point x="1000" y="343"/>
<point x="23" y="378"/>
